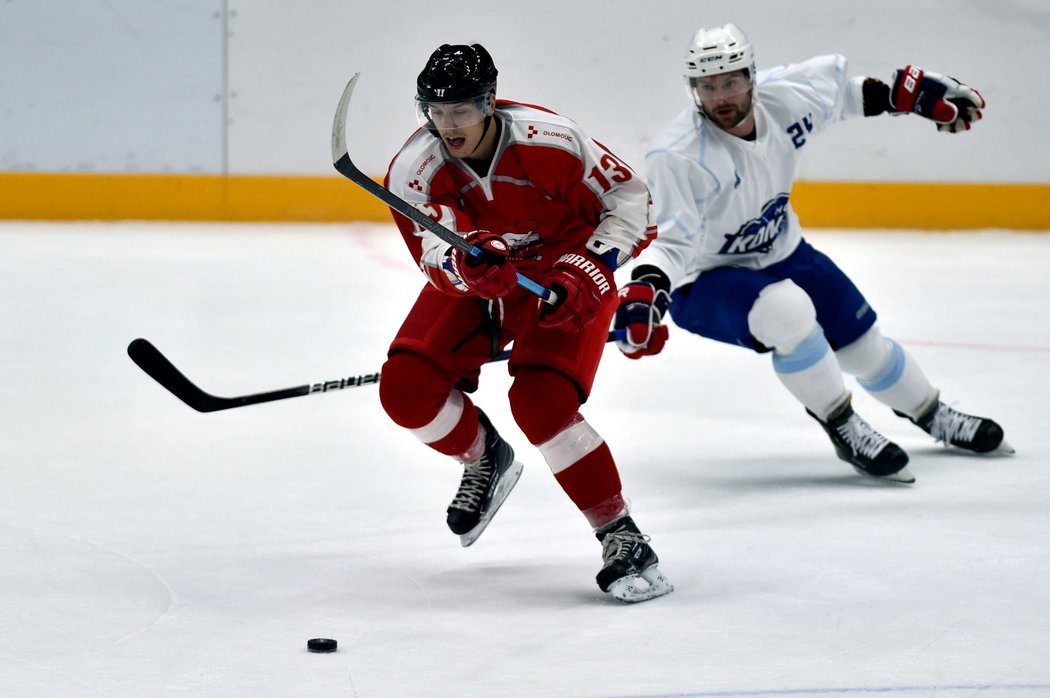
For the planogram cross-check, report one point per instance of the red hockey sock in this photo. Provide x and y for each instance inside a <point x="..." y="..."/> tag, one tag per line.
<point x="419" y="396"/>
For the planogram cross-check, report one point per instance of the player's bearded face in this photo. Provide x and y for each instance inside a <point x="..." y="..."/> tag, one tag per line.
<point x="726" y="99"/>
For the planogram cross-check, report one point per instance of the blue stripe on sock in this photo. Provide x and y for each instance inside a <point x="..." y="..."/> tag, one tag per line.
<point x="809" y="352"/>
<point x="889" y="374"/>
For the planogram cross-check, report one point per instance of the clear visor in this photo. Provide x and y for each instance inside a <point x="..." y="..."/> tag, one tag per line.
<point x="452" y="115"/>
<point x="713" y="87"/>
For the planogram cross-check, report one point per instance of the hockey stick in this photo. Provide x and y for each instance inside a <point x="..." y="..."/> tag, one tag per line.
<point x="160" y="369"/>
<point x="346" y="167"/>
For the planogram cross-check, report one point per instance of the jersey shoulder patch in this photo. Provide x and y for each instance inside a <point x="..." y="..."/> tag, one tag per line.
<point x="532" y="125"/>
<point x="416" y="164"/>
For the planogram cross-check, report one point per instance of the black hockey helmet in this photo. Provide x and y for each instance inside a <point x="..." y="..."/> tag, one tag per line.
<point x="456" y="73"/>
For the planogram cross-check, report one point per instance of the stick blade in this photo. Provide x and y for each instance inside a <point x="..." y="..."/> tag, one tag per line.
<point x="156" y="366"/>
<point x="339" y="149"/>
<point x="159" y="368"/>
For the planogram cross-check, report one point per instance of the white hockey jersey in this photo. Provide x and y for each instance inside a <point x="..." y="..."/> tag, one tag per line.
<point x="721" y="200"/>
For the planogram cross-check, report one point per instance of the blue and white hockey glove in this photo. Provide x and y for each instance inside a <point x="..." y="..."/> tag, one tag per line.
<point x="944" y="100"/>
<point x="642" y="307"/>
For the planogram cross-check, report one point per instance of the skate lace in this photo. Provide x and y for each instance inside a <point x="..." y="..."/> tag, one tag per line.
<point x="476" y="477"/>
<point x="861" y="437"/>
<point x="950" y="426"/>
<point x="618" y="544"/>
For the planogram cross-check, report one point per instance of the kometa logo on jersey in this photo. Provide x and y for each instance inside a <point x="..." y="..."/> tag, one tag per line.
<point x="759" y="234"/>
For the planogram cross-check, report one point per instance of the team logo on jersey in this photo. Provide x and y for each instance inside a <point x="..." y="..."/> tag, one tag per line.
<point x="532" y="132"/>
<point x="759" y="234"/>
<point x="423" y="165"/>
<point x="524" y="245"/>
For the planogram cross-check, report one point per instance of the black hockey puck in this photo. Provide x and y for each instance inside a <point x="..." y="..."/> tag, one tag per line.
<point x="321" y="644"/>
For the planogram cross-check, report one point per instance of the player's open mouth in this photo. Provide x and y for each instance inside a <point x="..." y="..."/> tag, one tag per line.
<point x="455" y="143"/>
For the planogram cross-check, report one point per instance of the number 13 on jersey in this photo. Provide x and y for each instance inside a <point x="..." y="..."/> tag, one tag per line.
<point x="609" y="168"/>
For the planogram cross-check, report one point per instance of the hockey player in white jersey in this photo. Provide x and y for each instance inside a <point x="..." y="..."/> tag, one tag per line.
<point x="730" y="261"/>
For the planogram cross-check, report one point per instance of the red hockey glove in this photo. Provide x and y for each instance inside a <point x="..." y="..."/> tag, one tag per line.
<point x="490" y="275"/>
<point x="582" y="284"/>
<point x="642" y="306"/>
<point x="944" y="100"/>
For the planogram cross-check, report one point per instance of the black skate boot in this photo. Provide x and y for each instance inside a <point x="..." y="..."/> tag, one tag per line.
<point x="630" y="573"/>
<point x="955" y="428"/>
<point x="485" y="485"/>
<point x="868" y="451"/>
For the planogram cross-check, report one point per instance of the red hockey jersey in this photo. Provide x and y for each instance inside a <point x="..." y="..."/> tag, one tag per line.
<point x="550" y="189"/>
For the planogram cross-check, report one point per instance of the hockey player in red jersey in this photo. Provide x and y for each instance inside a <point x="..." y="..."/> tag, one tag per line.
<point x="538" y="197"/>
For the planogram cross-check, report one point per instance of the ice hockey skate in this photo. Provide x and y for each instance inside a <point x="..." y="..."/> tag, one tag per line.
<point x="954" y="428"/>
<point x="868" y="451"/>
<point x="485" y="486"/>
<point x="630" y="572"/>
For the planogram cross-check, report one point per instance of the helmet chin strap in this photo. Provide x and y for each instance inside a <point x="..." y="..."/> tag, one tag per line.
<point x="488" y="122"/>
<point x="481" y="140"/>
<point x="743" y="118"/>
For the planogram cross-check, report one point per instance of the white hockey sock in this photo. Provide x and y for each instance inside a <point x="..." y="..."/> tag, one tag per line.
<point x="888" y="373"/>
<point x="812" y="374"/>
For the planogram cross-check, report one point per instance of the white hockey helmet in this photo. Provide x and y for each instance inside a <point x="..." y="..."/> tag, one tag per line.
<point x="718" y="50"/>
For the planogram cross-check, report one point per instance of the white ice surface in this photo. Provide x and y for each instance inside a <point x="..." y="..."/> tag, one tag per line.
<point x="148" y="550"/>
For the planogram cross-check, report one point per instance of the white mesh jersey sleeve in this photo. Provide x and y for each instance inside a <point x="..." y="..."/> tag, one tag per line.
<point x="822" y="84"/>
<point x="410" y="173"/>
<point x="721" y="200"/>
<point x="624" y="222"/>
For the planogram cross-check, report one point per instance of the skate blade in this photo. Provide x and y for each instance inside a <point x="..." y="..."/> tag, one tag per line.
<point x="902" y="476"/>
<point x="1003" y="449"/>
<point x="506" y="484"/>
<point x="635" y="588"/>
